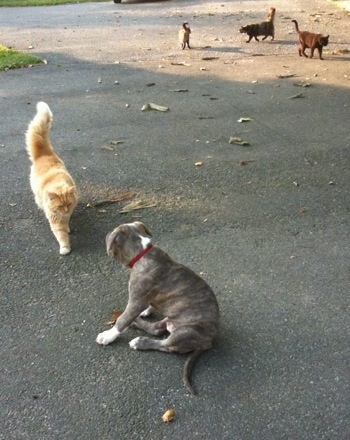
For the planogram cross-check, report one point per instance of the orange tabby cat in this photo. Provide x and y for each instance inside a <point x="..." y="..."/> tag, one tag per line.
<point x="53" y="187"/>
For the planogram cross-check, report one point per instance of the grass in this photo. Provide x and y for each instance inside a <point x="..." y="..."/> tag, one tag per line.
<point x="43" y="2"/>
<point x="12" y="59"/>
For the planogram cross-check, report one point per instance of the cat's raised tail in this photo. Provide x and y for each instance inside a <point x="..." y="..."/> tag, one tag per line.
<point x="38" y="133"/>
<point x="296" y="26"/>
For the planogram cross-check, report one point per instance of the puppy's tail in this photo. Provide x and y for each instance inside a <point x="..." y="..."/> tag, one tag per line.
<point x="37" y="136"/>
<point x="296" y="26"/>
<point x="188" y="368"/>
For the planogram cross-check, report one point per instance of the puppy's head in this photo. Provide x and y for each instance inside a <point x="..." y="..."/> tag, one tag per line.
<point x="126" y="241"/>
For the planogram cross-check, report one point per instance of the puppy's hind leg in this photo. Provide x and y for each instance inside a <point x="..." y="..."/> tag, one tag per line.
<point x="180" y="340"/>
<point x="152" y="328"/>
<point x="145" y="343"/>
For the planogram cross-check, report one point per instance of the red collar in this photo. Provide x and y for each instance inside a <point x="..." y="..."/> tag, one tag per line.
<point x="139" y="256"/>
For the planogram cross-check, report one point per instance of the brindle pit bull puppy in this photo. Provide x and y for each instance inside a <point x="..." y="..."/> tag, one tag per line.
<point x="187" y="303"/>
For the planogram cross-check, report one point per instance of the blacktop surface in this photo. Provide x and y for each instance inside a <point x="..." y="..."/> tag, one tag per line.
<point x="267" y="225"/>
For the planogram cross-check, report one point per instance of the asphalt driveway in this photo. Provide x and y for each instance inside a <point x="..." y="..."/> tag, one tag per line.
<point x="267" y="225"/>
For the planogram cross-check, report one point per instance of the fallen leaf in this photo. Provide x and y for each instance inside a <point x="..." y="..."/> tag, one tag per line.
<point x="152" y="106"/>
<point x="150" y="84"/>
<point x="168" y="416"/>
<point x="179" y="90"/>
<point x="238" y="141"/>
<point x="244" y="119"/>
<point x="117" y="142"/>
<point x="209" y="58"/>
<point x="115" y="315"/>
<point x="138" y="204"/>
<point x="245" y="162"/>
<point x="205" y="117"/>
<point x="298" y="95"/>
<point x="199" y="164"/>
<point x="302" y="84"/>
<point x="121" y="198"/>
<point x="181" y="63"/>
<point x="106" y="147"/>
<point x="288" y="75"/>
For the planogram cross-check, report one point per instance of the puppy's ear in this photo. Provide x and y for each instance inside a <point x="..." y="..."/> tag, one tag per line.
<point x="143" y="230"/>
<point x="113" y="238"/>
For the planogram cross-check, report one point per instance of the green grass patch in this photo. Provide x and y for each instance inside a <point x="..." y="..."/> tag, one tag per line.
<point x="43" y="2"/>
<point x="12" y="59"/>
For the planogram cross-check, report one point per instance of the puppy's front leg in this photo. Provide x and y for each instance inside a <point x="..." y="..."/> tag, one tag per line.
<point x="131" y="312"/>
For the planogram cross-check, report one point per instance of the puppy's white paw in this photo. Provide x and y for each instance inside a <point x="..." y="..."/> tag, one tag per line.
<point x="135" y="343"/>
<point x="64" y="250"/>
<point x="108" y="336"/>
<point x="146" y="312"/>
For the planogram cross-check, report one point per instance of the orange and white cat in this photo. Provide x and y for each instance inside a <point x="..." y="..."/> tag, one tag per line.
<point x="53" y="187"/>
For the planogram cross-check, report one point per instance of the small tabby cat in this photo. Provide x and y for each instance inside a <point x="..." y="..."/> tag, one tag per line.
<point x="184" y="35"/>
<point x="265" y="28"/>
<point x="311" y="41"/>
<point x="53" y="187"/>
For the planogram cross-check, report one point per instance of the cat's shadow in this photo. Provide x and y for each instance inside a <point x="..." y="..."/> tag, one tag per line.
<point x="89" y="227"/>
<point x="286" y="42"/>
<point x="226" y="49"/>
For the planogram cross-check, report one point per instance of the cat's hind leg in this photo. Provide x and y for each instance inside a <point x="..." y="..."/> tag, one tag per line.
<point x="302" y="49"/>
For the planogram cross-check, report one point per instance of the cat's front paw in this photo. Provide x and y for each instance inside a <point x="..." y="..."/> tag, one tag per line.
<point x="108" y="336"/>
<point x="64" y="250"/>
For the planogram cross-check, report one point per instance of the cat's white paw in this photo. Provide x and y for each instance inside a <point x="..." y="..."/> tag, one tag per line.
<point x="64" y="250"/>
<point x="108" y="336"/>
<point x="135" y="343"/>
